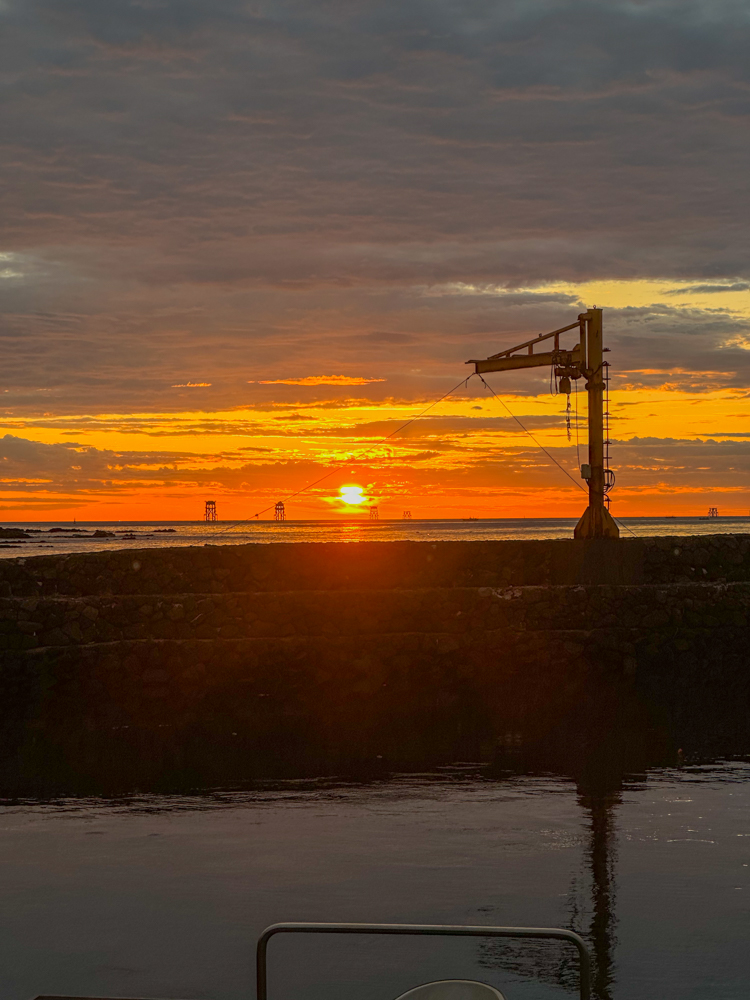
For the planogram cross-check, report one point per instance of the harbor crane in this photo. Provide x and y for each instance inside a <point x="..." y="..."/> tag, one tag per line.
<point x="584" y="360"/>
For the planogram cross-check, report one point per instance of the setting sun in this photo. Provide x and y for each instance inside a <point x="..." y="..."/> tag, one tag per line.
<point x="352" y="494"/>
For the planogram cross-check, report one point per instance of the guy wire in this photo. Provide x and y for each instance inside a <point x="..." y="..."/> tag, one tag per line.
<point x="464" y="382"/>
<point x="550" y="457"/>
<point x="331" y="472"/>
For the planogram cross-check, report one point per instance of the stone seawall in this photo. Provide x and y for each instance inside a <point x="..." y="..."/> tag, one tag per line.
<point x="39" y="622"/>
<point x="268" y="651"/>
<point x="379" y="565"/>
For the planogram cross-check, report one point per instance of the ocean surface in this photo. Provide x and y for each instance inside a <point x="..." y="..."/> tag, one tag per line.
<point x="164" y="896"/>
<point x="64" y="536"/>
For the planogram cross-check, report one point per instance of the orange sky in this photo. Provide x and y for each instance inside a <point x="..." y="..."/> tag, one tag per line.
<point x="679" y="446"/>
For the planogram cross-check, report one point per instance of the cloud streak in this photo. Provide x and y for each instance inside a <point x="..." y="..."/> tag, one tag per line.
<point x="319" y="380"/>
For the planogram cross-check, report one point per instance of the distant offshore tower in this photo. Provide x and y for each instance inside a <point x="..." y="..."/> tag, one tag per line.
<point x="210" y="514"/>
<point x="279" y="513"/>
<point x="374" y="513"/>
<point x="406" y="515"/>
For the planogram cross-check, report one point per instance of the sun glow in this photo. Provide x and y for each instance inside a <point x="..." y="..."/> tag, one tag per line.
<point x="352" y="494"/>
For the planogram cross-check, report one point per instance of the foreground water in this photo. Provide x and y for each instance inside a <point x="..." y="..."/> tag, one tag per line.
<point x="48" y="537"/>
<point x="164" y="896"/>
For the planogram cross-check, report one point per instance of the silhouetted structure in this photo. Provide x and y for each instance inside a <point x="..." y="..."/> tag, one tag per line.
<point x="584" y="360"/>
<point x="374" y="513"/>
<point x="406" y="515"/>
<point x="279" y="512"/>
<point x="210" y="514"/>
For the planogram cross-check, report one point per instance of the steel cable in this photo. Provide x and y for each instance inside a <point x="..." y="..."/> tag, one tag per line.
<point x="331" y="472"/>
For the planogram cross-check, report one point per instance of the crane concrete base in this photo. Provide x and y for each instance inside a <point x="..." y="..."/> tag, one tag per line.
<point x="596" y="522"/>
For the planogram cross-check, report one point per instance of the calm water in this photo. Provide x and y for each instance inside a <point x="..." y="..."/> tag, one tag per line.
<point x="155" y="534"/>
<point x="163" y="896"/>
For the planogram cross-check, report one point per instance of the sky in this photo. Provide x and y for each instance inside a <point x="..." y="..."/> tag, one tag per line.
<point x="243" y="241"/>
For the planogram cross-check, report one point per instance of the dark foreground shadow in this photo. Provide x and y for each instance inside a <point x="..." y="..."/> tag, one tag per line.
<point x="596" y="737"/>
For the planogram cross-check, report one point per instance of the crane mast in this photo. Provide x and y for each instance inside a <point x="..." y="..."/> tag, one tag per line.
<point x="584" y="360"/>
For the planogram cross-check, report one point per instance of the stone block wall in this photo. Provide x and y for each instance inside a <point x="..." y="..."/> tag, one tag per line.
<point x="37" y="622"/>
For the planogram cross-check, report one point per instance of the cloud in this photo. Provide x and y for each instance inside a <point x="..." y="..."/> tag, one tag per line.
<point x="321" y="380"/>
<point x="435" y="426"/>
<point x="191" y="385"/>
<point x="735" y="286"/>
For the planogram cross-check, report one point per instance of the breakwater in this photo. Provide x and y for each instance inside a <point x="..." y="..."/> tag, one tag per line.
<point x="238" y="661"/>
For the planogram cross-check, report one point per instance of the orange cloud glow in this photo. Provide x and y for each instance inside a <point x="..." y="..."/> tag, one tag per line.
<point x="321" y="380"/>
<point x="671" y="450"/>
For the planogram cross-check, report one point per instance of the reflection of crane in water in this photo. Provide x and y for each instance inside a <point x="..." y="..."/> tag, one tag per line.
<point x="593" y="917"/>
<point x="605" y="738"/>
<point x="601" y="854"/>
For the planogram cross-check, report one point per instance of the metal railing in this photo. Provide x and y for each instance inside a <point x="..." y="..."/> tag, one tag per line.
<point x="432" y="930"/>
<point x="439" y="930"/>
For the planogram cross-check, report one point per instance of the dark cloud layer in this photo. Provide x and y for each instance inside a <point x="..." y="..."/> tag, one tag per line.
<point x="196" y="187"/>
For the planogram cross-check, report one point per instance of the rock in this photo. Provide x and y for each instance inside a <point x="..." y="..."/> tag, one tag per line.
<point x="55" y="637"/>
<point x="29" y="628"/>
<point x="73" y="630"/>
<point x="14" y="533"/>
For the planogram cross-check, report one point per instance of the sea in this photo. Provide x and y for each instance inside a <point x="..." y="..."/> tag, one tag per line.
<point x="165" y="896"/>
<point x="45" y="537"/>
